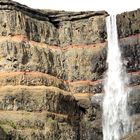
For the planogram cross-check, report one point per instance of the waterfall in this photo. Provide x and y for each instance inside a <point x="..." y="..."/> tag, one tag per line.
<point x="116" y="122"/>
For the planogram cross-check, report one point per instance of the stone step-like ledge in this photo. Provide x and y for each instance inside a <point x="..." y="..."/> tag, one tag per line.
<point x="31" y="79"/>
<point x="130" y="40"/>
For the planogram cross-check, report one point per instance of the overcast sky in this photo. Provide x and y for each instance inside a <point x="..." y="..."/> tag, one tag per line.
<point x="112" y="6"/>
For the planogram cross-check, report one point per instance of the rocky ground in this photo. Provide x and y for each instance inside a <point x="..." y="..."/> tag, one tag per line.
<point x="52" y="65"/>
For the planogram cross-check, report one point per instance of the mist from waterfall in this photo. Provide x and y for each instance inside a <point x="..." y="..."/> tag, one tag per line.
<point x="116" y="121"/>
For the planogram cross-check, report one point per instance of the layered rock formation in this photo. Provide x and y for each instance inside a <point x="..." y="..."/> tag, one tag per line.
<point x="52" y="65"/>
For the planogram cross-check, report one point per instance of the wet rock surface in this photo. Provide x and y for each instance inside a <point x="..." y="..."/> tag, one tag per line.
<point x="52" y="68"/>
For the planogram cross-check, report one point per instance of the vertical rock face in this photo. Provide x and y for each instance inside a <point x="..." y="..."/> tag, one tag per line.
<point x="51" y="64"/>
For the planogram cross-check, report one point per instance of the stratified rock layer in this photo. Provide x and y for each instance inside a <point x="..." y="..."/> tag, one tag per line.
<point x="52" y="65"/>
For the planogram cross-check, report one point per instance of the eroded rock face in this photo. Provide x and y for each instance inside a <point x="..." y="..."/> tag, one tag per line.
<point x="52" y="65"/>
<point x="52" y="27"/>
<point x="128" y="23"/>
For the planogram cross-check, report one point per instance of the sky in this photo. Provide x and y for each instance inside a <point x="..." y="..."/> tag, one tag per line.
<point x="111" y="6"/>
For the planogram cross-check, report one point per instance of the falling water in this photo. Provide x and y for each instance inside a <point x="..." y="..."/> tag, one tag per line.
<point x="116" y="122"/>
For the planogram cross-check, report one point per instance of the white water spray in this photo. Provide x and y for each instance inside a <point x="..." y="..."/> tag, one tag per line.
<point x="116" y="122"/>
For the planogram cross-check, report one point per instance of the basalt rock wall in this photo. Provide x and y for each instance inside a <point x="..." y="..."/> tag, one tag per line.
<point x="52" y="65"/>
